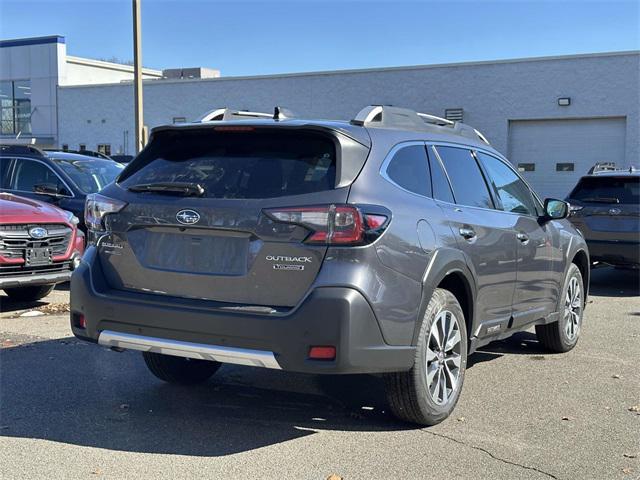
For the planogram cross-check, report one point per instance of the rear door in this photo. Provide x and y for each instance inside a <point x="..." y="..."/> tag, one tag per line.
<point x="221" y="246"/>
<point x="486" y="235"/>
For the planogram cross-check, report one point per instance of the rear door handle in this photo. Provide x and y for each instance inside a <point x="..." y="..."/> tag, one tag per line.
<point x="523" y="237"/>
<point x="467" y="233"/>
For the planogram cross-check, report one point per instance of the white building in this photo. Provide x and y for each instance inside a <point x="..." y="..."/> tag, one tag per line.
<point x="554" y="117"/>
<point x="31" y="70"/>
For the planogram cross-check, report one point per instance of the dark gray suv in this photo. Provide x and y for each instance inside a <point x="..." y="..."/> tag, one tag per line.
<point x="397" y="243"/>
<point x="605" y="207"/>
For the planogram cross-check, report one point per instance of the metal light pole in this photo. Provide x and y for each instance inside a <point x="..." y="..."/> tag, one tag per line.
<point x="137" y="77"/>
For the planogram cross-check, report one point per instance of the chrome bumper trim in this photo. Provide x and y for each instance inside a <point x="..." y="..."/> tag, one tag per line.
<point x="18" y="281"/>
<point x="201" y="351"/>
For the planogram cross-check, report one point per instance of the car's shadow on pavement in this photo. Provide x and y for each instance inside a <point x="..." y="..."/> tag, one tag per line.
<point x="8" y="305"/>
<point x="72" y="392"/>
<point x="612" y="282"/>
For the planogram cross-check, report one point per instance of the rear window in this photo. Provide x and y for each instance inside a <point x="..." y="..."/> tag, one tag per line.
<point x="239" y="164"/>
<point x="608" y="190"/>
<point x="409" y="168"/>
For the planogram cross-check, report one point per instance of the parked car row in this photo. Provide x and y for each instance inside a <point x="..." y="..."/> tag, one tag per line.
<point x="42" y="199"/>
<point x="60" y="178"/>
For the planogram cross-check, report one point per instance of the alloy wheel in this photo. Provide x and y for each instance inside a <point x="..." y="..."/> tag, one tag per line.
<point x="573" y="309"/>
<point x="443" y="357"/>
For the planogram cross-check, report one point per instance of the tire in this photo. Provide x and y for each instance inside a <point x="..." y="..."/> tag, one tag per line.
<point x="179" y="370"/>
<point x="411" y="396"/>
<point x="29" y="294"/>
<point x="560" y="336"/>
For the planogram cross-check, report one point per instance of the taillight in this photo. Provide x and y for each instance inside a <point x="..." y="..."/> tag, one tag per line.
<point x="97" y="207"/>
<point x="334" y="224"/>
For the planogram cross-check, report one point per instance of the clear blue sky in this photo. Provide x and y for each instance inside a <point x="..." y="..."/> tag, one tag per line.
<point x="248" y="38"/>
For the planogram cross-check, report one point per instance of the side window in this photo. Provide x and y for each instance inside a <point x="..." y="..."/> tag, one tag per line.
<point x="5" y="164"/>
<point x="28" y="173"/>
<point x="512" y="191"/>
<point x="469" y="187"/>
<point x="409" y="168"/>
<point x="439" y="183"/>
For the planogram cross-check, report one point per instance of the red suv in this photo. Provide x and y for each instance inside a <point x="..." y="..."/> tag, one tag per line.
<point x="40" y="245"/>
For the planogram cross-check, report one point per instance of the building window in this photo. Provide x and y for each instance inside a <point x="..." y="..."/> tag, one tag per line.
<point x="83" y="147"/>
<point x="104" y="148"/>
<point x="65" y="147"/>
<point x="15" y="107"/>
<point x="564" y="167"/>
<point x="526" y="167"/>
<point x="179" y="120"/>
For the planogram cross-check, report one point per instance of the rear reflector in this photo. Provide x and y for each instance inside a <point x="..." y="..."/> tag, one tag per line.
<point x="374" y="222"/>
<point x="322" y="353"/>
<point x="332" y="224"/>
<point x="78" y="320"/>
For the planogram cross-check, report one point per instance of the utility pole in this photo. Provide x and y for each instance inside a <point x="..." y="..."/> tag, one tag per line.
<point x="137" y="77"/>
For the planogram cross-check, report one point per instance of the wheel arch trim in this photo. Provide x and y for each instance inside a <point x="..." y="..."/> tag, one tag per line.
<point x="444" y="263"/>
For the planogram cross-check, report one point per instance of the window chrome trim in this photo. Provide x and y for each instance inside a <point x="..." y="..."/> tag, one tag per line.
<point x="509" y="165"/>
<point x="471" y="151"/>
<point x="446" y="174"/>
<point x="492" y="153"/>
<point x="392" y="153"/>
<point x="13" y="167"/>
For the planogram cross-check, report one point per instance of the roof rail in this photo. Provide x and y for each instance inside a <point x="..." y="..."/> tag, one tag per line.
<point x="20" y="149"/>
<point x="386" y="116"/>
<point x="220" y="114"/>
<point x="603" y="167"/>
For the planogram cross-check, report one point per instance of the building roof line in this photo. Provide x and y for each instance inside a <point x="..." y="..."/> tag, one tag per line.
<point x="380" y="69"/>
<point x="21" y="42"/>
<point x="110" y="65"/>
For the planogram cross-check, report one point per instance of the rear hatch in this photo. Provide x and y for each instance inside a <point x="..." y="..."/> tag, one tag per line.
<point x="607" y="207"/>
<point x="220" y="245"/>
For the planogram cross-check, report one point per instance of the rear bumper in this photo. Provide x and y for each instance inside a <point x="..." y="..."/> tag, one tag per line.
<point x="328" y="316"/>
<point x="18" y="281"/>
<point x="614" y="252"/>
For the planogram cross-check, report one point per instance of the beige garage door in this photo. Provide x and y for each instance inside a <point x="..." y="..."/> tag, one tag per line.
<point x="553" y="154"/>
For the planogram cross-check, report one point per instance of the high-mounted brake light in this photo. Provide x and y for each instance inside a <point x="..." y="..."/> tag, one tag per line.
<point x="332" y="224"/>
<point x="233" y="128"/>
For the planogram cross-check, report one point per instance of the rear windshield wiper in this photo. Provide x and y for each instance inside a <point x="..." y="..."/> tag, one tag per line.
<point x="601" y="200"/>
<point x="186" y="189"/>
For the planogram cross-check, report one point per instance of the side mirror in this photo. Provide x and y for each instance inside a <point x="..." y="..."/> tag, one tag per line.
<point x="555" y="209"/>
<point x="46" y="189"/>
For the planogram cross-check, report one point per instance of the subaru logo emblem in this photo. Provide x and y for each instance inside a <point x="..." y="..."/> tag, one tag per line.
<point x="615" y="211"/>
<point x="188" y="217"/>
<point x="38" y="232"/>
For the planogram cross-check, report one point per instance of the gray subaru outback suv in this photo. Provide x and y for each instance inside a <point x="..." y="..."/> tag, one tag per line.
<point x="396" y="244"/>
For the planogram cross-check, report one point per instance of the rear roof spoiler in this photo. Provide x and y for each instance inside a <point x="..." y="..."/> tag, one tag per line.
<point x="226" y="113"/>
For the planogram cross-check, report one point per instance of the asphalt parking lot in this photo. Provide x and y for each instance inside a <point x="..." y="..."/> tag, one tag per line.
<point x="74" y="410"/>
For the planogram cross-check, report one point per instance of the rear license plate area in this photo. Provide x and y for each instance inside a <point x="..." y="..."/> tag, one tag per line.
<point x="200" y="253"/>
<point x="34" y="257"/>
